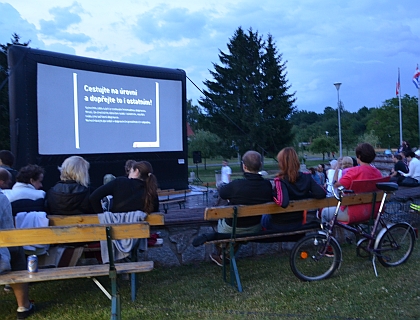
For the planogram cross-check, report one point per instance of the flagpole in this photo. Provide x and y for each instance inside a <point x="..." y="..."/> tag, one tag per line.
<point x="399" y="104"/>
<point x="418" y="103"/>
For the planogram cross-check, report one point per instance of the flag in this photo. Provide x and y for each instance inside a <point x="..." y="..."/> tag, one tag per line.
<point x="397" y="90"/>
<point x="416" y="78"/>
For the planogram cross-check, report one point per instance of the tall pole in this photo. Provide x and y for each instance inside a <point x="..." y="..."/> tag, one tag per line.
<point x="337" y="86"/>
<point x="399" y="104"/>
<point x="418" y="103"/>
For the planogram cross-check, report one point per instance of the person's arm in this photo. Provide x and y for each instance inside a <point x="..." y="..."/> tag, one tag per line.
<point x="317" y="191"/>
<point x="225" y="191"/>
<point x="101" y="192"/>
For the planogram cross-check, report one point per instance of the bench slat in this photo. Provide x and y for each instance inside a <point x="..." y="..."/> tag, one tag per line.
<point x="154" y="219"/>
<point x="73" y="272"/>
<point x="69" y="234"/>
<point x="215" y="213"/>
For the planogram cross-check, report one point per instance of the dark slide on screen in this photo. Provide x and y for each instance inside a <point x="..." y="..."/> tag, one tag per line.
<point x="84" y="112"/>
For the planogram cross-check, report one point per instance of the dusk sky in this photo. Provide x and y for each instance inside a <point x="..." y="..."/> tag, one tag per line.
<point x="360" y="43"/>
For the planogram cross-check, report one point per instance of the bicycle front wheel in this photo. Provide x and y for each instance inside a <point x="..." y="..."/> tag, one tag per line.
<point x="313" y="258"/>
<point x="396" y="245"/>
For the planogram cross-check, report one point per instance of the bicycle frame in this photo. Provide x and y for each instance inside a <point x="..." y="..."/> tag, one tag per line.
<point x="371" y="237"/>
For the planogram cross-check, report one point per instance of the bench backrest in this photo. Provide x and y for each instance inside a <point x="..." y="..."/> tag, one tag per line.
<point x="154" y="219"/>
<point x="363" y="212"/>
<point x="214" y="213"/>
<point x="72" y="234"/>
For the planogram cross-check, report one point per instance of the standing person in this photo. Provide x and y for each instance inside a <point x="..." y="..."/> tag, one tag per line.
<point x="365" y="154"/>
<point x="226" y="172"/>
<point x="299" y="186"/>
<point x="17" y="256"/>
<point x="26" y="194"/>
<point x="252" y="189"/>
<point x="70" y="195"/>
<point x="7" y="159"/>
<point x="136" y="192"/>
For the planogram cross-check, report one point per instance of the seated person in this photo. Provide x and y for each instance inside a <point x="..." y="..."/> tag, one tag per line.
<point x="365" y="154"/>
<point x="333" y="174"/>
<point x="138" y="191"/>
<point x="26" y="194"/>
<point x="7" y="160"/>
<point x="17" y="256"/>
<point x="399" y="166"/>
<point x="299" y="186"/>
<point x="253" y="189"/>
<point x="413" y="169"/>
<point x="70" y="196"/>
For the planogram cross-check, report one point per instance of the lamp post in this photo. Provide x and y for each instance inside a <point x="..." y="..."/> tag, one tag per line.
<point x="337" y="86"/>
<point x="326" y="132"/>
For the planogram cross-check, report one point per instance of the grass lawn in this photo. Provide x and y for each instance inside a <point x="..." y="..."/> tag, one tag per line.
<point x="271" y="291"/>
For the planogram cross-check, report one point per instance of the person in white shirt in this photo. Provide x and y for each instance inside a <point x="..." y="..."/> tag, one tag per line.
<point x="226" y="172"/>
<point x="413" y="166"/>
<point x="25" y="195"/>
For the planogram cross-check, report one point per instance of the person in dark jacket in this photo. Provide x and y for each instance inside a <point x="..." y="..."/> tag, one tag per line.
<point x="299" y="186"/>
<point x="138" y="191"/>
<point x="70" y="196"/>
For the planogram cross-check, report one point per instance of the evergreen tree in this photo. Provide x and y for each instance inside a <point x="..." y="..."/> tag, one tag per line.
<point x="4" y="92"/>
<point x="247" y="102"/>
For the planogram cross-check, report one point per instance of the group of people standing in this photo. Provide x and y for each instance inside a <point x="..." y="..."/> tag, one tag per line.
<point x="21" y="191"/>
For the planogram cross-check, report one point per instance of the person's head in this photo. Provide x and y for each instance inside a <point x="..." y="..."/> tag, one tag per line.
<point x="31" y="174"/>
<point x="346" y="162"/>
<point x="312" y="170"/>
<point x="225" y="162"/>
<point x="7" y="158"/>
<point x="409" y="155"/>
<point x="143" y="170"/>
<point x="289" y="164"/>
<point x="333" y="164"/>
<point x="251" y="161"/>
<point x="5" y="179"/>
<point x="396" y="157"/>
<point x="75" y="168"/>
<point x="128" y="166"/>
<point x="108" y="178"/>
<point x="365" y="153"/>
<point x="321" y="167"/>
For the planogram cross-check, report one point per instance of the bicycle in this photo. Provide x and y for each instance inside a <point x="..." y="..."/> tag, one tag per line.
<point x="317" y="256"/>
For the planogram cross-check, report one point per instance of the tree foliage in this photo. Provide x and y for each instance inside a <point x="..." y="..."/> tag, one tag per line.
<point x="323" y="145"/>
<point x="4" y="92"/>
<point x="247" y="102"/>
<point x="206" y="142"/>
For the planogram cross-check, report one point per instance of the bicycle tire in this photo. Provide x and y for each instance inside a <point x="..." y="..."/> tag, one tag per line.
<point x="307" y="261"/>
<point x="395" y="245"/>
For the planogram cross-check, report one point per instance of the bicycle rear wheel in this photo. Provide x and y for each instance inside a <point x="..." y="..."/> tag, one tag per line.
<point x="309" y="263"/>
<point x="396" y="245"/>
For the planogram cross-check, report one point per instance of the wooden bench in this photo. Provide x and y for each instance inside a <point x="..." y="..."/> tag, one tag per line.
<point x="79" y="233"/>
<point x="165" y="198"/>
<point x="235" y="212"/>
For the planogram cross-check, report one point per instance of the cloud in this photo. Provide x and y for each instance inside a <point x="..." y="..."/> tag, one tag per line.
<point x="63" y="19"/>
<point x="173" y="24"/>
<point x="12" y="22"/>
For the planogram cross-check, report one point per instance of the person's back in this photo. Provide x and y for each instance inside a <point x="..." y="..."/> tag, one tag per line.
<point x="138" y="191"/>
<point x="70" y="196"/>
<point x="25" y="195"/>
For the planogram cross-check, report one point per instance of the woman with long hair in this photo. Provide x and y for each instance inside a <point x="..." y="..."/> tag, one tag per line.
<point x="299" y="186"/>
<point x="138" y="191"/>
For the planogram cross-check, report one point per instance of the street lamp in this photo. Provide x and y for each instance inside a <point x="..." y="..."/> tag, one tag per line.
<point x="326" y="132"/>
<point x="337" y="86"/>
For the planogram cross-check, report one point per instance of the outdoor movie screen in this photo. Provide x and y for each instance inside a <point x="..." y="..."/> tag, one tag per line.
<point x="87" y="112"/>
